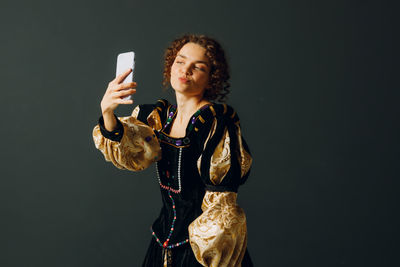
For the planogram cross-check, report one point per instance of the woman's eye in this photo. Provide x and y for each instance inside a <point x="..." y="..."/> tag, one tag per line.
<point x="179" y="62"/>
<point x="199" y="68"/>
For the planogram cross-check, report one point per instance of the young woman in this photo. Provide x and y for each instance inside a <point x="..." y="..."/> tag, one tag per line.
<point x="199" y="153"/>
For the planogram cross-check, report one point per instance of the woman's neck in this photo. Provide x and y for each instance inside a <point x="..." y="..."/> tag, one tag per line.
<point x="186" y="106"/>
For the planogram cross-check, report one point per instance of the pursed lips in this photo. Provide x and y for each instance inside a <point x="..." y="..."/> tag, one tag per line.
<point x="184" y="80"/>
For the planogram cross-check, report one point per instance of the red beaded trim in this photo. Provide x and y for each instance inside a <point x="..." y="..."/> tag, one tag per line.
<point x="176" y="191"/>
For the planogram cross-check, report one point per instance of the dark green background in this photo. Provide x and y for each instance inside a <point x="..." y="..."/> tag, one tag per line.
<point x="315" y="84"/>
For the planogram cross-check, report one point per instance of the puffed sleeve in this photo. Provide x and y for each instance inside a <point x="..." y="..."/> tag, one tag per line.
<point x="133" y="145"/>
<point x="218" y="237"/>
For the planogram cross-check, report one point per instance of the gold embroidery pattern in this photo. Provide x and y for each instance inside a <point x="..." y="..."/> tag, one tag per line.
<point x="154" y="120"/>
<point x="210" y="134"/>
<point x="201" y="119"/>
<point x="218" y="237"/>
<point x="225" y="108"/>
<point x="162" y="101"/>
<point x="135" y="112"/>
<point x="221" y="159"/>
<point x="213" y="110"/>
<point x="244" y="157"/>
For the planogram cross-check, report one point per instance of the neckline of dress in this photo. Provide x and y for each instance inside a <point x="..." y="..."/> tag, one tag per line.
<point x="192" y="119"/>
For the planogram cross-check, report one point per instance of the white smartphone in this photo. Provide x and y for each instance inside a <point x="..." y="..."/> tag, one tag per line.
<point x="124" y="62"/>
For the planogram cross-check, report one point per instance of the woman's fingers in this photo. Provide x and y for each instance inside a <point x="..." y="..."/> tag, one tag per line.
<point x="118" y="87"/>
<point x="120" y="78"/>
<point x="122" y="86"/>
<point x="124" y="93"/>
<point x="116" y="91"/>
<point x="124" y="101"/>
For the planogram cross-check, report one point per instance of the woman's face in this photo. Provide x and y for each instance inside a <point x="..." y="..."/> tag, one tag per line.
<point x="190" y="70"/>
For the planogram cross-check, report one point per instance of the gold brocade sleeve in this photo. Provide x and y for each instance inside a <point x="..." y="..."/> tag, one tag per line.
<point x="218" y="237"/>
<point x="245" y="158"/>
<point x="138" y="148"/>
<point x="220" y="162"/>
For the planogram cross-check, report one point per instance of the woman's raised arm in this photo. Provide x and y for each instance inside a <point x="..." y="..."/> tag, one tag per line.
<point x="125" y="141"/>
<point x="113" y="96"/>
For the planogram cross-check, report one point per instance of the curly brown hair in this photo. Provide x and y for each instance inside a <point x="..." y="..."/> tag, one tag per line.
<point x="219" y="72"/>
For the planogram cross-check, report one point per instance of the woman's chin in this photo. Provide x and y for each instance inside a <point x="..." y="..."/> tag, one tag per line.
<point x="183" y="89"/>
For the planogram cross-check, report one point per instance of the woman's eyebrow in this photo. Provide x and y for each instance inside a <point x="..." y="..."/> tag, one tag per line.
<point x="198" y="61"/>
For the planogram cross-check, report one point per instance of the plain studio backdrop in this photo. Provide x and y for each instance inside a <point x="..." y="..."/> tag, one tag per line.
<point x="312" y="81"/>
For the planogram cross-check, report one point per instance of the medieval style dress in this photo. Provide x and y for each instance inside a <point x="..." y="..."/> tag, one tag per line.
<point x="200" y="223"/>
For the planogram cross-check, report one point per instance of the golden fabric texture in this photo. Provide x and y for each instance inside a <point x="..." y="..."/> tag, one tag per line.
<point x="154" y="120"/>
<point x="244" y="156"/>
<point x="210" y="134"/>
<point x="218" y="237"/>
<point x="133" y="152"/>
<point x="221" y="159"/>
<point x="135" y="112"/>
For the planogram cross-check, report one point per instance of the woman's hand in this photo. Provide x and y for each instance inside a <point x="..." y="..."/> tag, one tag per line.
<point x="116" y="90"/>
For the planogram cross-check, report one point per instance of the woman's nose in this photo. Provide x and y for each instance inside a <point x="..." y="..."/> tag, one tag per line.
<point x="186" y="69"/>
